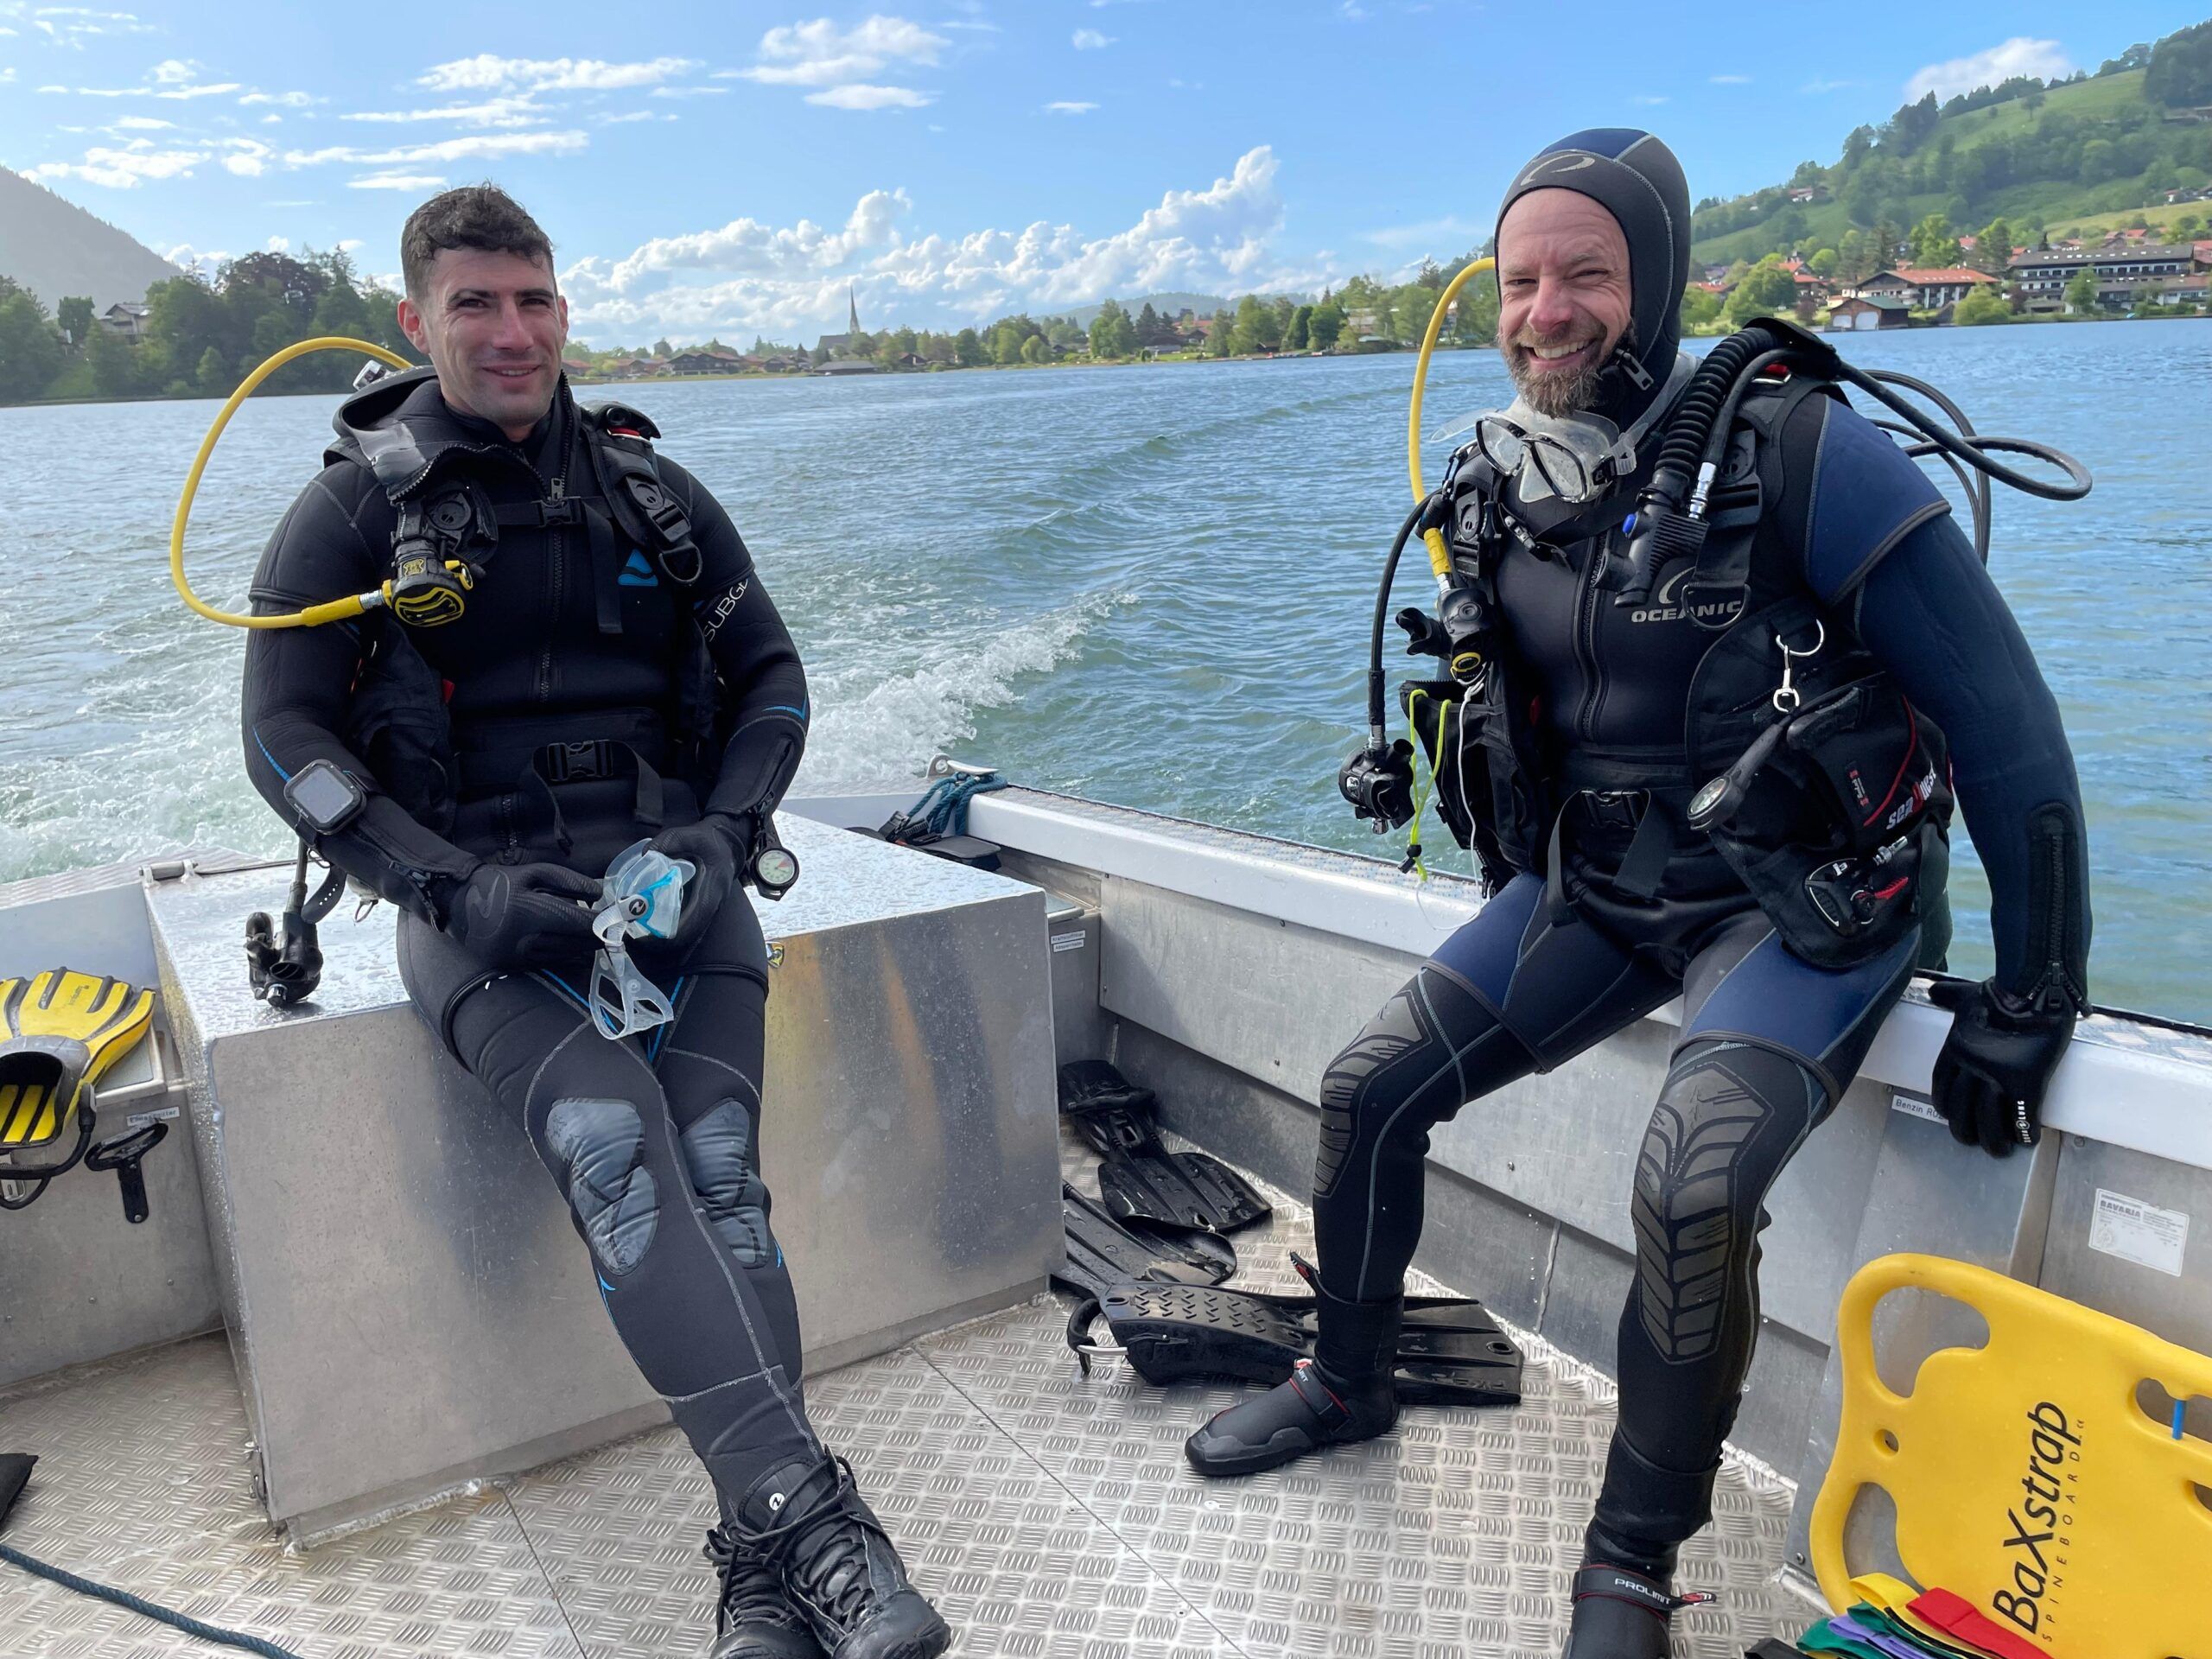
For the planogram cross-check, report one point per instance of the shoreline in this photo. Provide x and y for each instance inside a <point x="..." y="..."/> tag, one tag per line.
<point x="1178" y="359"/>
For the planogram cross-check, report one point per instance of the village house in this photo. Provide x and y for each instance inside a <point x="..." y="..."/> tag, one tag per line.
<point x="1923" y="289"/>
<point x="1866" y="311"/>
<point x="2041" y="274"/>
<point x="703" y="362"/>
<point x="126" y="319"/>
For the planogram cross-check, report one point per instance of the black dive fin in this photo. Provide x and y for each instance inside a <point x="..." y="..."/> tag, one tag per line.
<point x="1104" y="1253"/>
<point x="1183" y="1188"/>
<point x="1141" y="1180"/>
<point x="1451" y="1352"/>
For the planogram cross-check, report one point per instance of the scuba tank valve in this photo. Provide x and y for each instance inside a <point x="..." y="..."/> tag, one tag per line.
<point x="424" y="590"/>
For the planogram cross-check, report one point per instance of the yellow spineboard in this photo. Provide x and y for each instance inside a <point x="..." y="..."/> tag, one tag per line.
<point x="2038" y="1432"/>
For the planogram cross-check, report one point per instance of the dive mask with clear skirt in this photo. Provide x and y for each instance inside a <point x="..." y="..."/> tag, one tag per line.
<point x="1578" y="458"/>
<point x="640" y="897"/>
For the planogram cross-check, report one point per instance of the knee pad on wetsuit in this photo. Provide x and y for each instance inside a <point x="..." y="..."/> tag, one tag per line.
<point x="1382" y="1067"/>
<point x="1708" y="1158"/>
<point x="725" y="1173"/>
<point x="599" y="1151"/>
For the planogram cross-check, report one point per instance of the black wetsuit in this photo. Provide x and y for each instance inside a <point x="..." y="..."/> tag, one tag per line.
<point x="1769" y="1042"/>
<point x="654" y="1141"/>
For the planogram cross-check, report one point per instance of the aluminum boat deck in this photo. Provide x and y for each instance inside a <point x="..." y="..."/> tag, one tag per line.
<point x="1050" y="1515"/>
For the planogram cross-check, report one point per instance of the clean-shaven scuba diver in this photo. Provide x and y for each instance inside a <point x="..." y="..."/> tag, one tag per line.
<point x="617" y="672"/>
<point x="1834" y="583"/>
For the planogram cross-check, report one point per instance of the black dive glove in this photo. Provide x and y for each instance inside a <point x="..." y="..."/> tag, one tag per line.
<point x="716" y="846"/>
<point x="517" y="916"/>
<point x="1994" y="1066"/>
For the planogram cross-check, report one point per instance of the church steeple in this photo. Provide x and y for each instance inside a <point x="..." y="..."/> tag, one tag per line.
<point x="853" y="304"/>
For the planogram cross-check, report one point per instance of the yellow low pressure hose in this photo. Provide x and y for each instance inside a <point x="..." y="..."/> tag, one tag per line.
<point x="1440" y="557"/>
<point x="336" y="610"/>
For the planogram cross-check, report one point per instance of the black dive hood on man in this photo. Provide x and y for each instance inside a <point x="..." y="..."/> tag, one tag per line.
<point x="1636" y="178"/>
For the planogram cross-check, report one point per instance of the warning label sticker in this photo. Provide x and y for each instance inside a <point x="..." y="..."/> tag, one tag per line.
<point x="2139" y="1233"/>
<point x="1067" y="941"/>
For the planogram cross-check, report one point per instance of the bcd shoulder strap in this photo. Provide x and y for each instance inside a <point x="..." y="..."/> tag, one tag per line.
<point x="619" y="440"/>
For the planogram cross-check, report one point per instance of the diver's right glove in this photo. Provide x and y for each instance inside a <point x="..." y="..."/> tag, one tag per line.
<point x="1996" y="1064"/>
<point x="517" y="916"/>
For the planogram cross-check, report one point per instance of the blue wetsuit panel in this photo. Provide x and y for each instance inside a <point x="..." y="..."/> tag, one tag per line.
<point x="1867" y="496"/>
<point x="1933" y="616"/>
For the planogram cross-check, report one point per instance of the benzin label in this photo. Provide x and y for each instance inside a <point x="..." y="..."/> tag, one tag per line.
<point x="2139" y="1233"/>
<point x="1913" y="1106"/>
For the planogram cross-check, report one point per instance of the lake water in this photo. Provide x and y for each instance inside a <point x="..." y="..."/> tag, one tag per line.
<point x="1148" y="586"/>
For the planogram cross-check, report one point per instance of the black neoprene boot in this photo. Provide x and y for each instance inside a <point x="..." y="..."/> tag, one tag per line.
<point x="805" y="1519"/>
<point x="1621" y="1614"/>
<point x="1624" y="1593"/>
<point x="1345" y="1393"/>
<point x="753" y="1618"/>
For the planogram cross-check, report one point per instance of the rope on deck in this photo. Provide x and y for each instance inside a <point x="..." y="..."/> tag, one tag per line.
<point x="140" y="1606"/>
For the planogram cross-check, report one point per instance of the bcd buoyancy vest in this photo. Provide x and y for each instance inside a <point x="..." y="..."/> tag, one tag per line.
<point x="439" y="476"/>
<point x="1799" y="760"/>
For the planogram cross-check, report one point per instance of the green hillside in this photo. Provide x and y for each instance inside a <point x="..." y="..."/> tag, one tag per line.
<point x="2044" y="157"/>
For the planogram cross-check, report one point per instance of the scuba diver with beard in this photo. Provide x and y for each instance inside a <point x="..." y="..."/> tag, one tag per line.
<point x="1697" y="756"/>
<point x="606" y="668"/>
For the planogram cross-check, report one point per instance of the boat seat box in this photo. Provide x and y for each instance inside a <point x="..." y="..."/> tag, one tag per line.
<point x="409" y="1305"/>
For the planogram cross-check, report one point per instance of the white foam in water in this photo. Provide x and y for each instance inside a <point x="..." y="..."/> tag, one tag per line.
<point x="872" y="730"/>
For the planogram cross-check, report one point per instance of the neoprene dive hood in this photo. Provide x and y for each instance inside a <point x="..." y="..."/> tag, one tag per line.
<point x="1637" y="179"/>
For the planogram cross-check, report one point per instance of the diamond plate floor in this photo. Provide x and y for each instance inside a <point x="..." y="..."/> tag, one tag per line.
<point x="1050" y="1515"/>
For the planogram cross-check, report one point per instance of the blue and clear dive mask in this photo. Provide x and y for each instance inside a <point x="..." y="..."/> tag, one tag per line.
<point x="641" y="897"/>
<point x="1576" y="457"/>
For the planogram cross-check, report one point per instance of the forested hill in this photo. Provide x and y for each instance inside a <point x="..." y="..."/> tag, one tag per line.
<point x="2044" y="157"/>
<point x="55" y="249"/>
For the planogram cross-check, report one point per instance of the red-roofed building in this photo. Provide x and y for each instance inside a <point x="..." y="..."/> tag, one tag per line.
<point x="1925" y="289"/>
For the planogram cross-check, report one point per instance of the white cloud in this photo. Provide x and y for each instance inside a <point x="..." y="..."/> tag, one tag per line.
<point x="1089" y="40"/>
<point x="172" y="71"/>
<point x="860" y="96"/>
<point x="783" y="279"/>
<point x="396" y="182"/>
<point x="1825" y="86"/>
<point x="2018" y="56"/>
<point x="1069" y="106"/>
<point x="490" y="146"/>
<point x="280" y="244"/>
<point x="691" y="92"/>
<point x="1729" y="80"/>
<point x="625" y="115"/>
<point x="486" y="72"/>
<point x="347" y="244"/>
<point x="249" y="158"/>
<point x="125" y="168"/>
<point x="185" y="257"/>
<point x="747" y="245"/>
<point x="288" y="100"/>
<point x="141" y="124"/>
<point x="513" y="109"/>
<point x="1648" y="99"/>
<point x="819" y="54"/>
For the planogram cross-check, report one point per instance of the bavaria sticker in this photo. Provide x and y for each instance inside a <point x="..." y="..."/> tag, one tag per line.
<point x="2140" y="1232"/>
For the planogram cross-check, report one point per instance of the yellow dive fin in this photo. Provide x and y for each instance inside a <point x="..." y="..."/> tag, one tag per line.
<point x="59" y="1032"/>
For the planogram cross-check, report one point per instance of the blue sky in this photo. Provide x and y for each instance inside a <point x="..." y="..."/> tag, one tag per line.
<point x="733" y="167"/>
